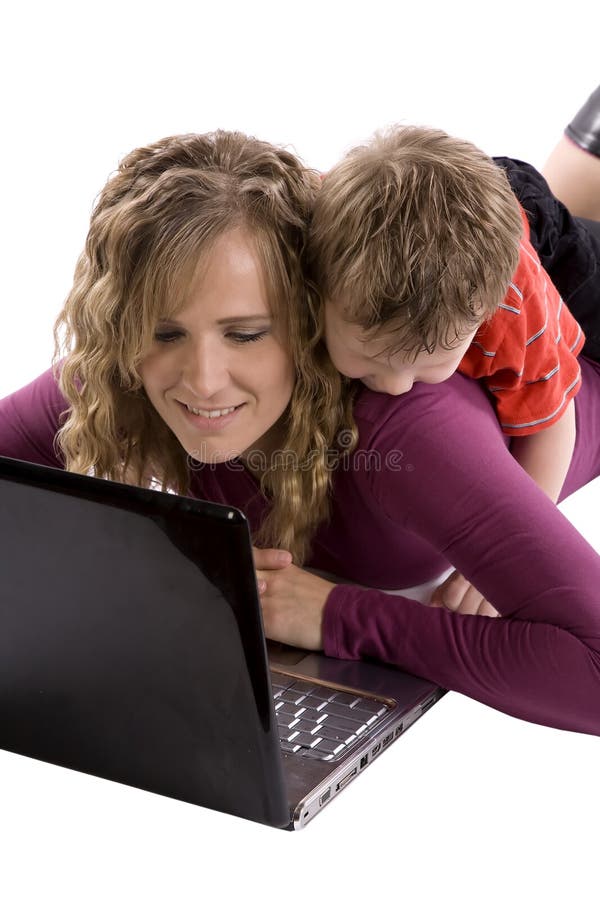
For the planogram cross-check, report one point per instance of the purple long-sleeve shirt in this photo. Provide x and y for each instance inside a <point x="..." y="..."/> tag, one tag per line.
<point x="431" y="485"/>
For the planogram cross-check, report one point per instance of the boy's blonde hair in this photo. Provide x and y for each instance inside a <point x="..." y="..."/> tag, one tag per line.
<point x="416" y="232"/>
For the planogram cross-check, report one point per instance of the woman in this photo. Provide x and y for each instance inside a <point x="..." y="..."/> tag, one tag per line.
<point x="193" y="359"/>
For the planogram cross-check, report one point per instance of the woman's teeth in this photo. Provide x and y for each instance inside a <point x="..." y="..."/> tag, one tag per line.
<point x="212" y="413"/>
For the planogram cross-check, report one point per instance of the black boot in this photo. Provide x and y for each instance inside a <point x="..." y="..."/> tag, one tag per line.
<point x="585" y="127"/>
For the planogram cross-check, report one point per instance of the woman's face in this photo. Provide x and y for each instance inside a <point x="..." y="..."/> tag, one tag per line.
<point x="219" y="374"/>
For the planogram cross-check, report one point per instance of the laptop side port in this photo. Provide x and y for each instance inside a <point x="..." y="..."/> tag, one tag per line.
<point x="376" y="749"/>
<point x="325" y="797"/>
<point x="346" y="779"/>
<point x="389" y="737"/>
<point x="399" y="729"/>
<point x="364" y="760"/>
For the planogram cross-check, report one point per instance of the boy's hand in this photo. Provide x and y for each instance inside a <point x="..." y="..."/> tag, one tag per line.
<point x="458" y="595"/>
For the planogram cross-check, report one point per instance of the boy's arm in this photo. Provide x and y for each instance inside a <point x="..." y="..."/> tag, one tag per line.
<point x="546" y="455"/>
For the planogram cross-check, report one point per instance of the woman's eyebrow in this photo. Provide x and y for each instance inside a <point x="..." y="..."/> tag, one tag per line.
<point x="259" y="317"/>
<point x="228" y="320"/>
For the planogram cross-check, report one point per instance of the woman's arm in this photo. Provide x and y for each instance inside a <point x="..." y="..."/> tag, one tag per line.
<point x="546" y="457"/>
<point x="467" y="496"/>
<point x="29" y="421"/>
<point x="471" y="500"/>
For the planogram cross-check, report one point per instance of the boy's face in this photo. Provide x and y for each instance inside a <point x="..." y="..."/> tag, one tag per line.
<point x="370" y="361"/>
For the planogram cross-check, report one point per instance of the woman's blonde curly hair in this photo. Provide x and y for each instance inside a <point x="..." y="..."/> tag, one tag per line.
<point x="163" y="208"/>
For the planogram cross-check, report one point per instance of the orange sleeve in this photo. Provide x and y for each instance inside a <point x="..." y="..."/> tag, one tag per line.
<point x="534" y="339"/>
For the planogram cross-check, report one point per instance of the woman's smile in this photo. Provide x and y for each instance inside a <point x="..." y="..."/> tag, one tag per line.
<point x="221" y="371"/>
<point x="215" y="419"/>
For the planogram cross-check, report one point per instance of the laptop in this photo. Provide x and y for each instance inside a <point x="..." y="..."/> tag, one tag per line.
<point x="132" y="648"/>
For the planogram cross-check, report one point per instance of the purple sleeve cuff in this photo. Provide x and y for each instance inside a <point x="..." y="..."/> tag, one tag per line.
<point x="488" y="659"/>
<point x="332" y="618"/>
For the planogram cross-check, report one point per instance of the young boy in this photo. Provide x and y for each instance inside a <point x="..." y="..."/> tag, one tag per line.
<point x="423" y="256"/>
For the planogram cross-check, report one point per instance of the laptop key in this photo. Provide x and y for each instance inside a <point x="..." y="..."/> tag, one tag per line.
<point x="315" y="753"/>
<point x="371" y="706"/>
<point x="334" y="747"/>
<point x="352" y="713"/>
<point x="284" y="732"/>
<point x="307" y="740"/>
<point x="289" y="708"/>
<point x="312" y="727"/>
<point x="344" y="712"/>
<point x="312" y="702"/>
<point x="323" y="693"/>
<point x="336" y="734"/>
<point x="313" y="715"/>
<point x="286" y="721"/>
<point x="342" y="725"/>
<point x="291" y="696"/>
<point x="352" y="717"/>
<point x="345" y="699"/>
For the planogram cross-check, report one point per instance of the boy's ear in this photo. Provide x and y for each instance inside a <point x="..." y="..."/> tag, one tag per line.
<point x="477" y="307"/>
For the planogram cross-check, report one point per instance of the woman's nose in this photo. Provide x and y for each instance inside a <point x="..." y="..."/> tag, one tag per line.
<point x="206" y="370"/>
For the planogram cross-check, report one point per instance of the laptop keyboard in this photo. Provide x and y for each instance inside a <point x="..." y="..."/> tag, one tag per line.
<point x="318" y="721"/>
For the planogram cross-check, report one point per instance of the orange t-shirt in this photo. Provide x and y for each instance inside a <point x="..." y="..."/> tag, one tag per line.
<point x="527" y="352"/>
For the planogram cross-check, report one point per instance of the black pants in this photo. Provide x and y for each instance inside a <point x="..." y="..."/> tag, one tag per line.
<point x="584" y="301"/>
<point x="568" y="247"/>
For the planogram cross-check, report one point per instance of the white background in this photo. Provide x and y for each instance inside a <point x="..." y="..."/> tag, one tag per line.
<point x="470" y="802"/>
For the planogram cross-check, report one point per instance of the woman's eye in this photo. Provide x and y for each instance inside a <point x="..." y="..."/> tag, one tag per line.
<point x="167" y="337"/>
<point x="241" y="338"/>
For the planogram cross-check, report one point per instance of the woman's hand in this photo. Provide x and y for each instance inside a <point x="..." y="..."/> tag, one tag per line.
<point x="292" y="601"/>
<point x="458" y="595"/>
